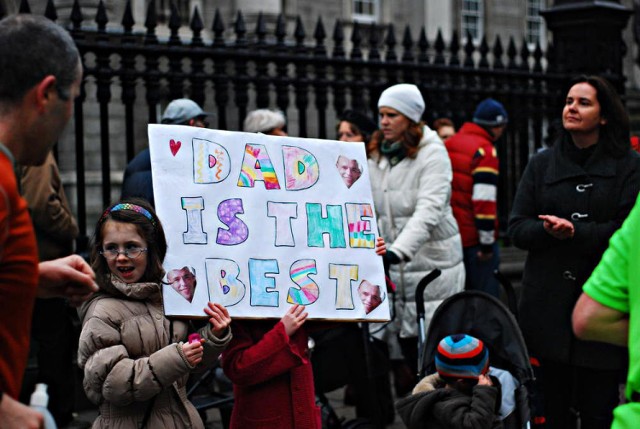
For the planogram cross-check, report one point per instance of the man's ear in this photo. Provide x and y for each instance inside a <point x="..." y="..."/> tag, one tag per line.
<point x="44" y="91"/>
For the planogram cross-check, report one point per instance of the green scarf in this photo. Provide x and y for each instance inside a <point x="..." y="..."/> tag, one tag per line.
<point x="394" y="151"/>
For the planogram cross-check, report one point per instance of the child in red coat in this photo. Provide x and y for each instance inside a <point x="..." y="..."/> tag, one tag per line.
<point x="270" y="367"/>
<point x="272" y="375"/>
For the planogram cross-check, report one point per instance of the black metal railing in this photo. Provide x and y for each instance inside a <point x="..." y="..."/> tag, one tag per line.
<point x="308" y="77"/>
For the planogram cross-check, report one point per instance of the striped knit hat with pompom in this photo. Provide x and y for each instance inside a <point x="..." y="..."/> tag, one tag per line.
<point x="461" y="356"/>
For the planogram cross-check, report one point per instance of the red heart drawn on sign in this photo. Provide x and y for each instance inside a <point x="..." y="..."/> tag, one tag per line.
<point x="174" y="146"/>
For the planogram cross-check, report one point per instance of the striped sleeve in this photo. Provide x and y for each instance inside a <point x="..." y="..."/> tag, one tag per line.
<point x="484" y="170"/>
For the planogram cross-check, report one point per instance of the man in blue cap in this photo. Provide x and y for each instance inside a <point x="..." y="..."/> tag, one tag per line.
<point x="137" y="180"/>
<point x="185" y="112"/>
<point x="474" y="192"/>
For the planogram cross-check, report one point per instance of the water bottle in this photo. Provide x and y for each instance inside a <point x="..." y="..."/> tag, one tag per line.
<point x="39" y="402"/>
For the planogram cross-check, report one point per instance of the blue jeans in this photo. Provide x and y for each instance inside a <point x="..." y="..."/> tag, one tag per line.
<point x="480" y="273"/>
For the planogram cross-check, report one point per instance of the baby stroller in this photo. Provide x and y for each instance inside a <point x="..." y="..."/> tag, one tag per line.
<point x="487" y="318"/>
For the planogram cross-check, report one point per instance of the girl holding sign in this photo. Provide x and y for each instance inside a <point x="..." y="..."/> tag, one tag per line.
<point x="411" y="175"/>
<point x="135" y="360"/>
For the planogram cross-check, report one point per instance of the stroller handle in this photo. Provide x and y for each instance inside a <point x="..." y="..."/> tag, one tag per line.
<point x="422" y="285"/>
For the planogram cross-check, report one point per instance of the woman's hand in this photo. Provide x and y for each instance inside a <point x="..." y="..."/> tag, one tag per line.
<point x="557" y="227"/>
<point x="218" y="318"/>
<point x="381" y="246"/>
<point x="294" y="318"/>
<point x="193" y="352"/>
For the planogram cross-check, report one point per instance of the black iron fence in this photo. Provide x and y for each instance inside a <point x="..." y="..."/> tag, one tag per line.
<point x="309" y="76"/>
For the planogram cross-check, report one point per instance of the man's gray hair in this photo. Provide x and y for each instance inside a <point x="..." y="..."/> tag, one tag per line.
<point x="263" y="121"/>
<point x="31" y="48"/>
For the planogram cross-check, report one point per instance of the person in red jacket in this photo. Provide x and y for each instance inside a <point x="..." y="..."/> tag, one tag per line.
<point x="474" y="192"/>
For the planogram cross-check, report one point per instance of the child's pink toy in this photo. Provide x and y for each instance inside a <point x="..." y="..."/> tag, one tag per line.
<point x="194" y="338"/>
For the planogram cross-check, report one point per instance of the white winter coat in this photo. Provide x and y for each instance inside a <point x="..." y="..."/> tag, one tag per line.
<point x="415" y="219"/>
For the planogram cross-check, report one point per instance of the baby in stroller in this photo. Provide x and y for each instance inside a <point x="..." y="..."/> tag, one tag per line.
<point x="460" y="394"/>
<point x="480" y="316"/>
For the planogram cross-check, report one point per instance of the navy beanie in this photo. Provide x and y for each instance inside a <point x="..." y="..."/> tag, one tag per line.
<point x="461" y="356"/>
<point x="490" y="113"/>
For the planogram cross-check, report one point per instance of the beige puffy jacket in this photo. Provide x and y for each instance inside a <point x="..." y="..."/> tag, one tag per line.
<point x="130" y="361"/>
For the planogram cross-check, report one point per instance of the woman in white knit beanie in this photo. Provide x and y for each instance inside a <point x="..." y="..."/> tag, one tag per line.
<point x="411" y="177"/>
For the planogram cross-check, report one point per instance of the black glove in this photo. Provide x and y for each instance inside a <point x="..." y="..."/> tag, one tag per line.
<point x="390" y="258"/>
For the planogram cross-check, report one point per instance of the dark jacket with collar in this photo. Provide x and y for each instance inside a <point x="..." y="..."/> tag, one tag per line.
<point x="596" y="197"/>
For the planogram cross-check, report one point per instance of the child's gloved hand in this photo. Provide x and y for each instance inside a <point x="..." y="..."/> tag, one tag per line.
<point x="294" y="318"/>
<point x="193" y="352"/>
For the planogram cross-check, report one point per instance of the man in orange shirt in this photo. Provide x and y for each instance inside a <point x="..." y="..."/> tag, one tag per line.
<point x="40" y="75"/>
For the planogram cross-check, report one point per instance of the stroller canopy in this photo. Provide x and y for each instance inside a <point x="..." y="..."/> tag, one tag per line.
<point x="484" y="317"/>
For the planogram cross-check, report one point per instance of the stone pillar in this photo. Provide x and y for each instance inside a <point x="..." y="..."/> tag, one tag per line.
<point x="587" y="37"/>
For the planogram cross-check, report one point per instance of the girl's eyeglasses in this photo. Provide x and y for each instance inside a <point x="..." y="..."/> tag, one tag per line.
<point x="131" y="253"/>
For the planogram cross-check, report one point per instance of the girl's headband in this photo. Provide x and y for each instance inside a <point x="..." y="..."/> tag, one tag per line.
<point x="129" y="206"/>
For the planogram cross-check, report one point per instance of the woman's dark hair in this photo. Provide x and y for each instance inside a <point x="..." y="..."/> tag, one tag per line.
<point x="615" y="134"/>
<point x="554" y="129"/>
<point x="442" y="122"/>
<point x="149" y="228"/>
<point x="355" y="130"/>
<point x="359" y="123"/>
<point x="410" y="140"/>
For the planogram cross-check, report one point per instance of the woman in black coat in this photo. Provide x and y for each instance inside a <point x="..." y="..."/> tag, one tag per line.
<point x="570" y="201"/>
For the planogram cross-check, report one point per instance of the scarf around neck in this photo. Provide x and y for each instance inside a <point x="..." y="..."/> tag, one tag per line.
<point x="395" y="151"/>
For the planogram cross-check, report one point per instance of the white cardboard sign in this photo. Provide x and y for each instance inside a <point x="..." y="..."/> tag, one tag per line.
<point x="259" y="223"/>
